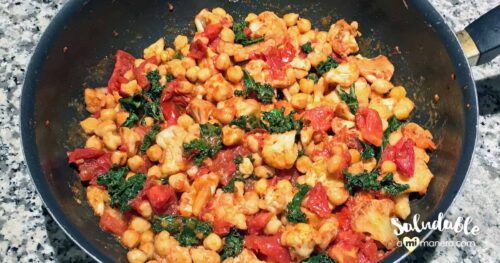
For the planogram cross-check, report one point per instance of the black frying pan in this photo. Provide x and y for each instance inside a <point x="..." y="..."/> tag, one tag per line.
<point x="430" y="56"/>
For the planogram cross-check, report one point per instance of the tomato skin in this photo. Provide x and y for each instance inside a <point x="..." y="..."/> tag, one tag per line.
<point x="318" y="201"/>
<point x="368" y="252"/>
<point x="124" y="62"/>
<point x="113" y="221"/>
<point x="269" y="246"/>
<point x="320" y="118"/>
<point x="369" y="123"/>
<point x="141" y="74"/>
<point x="91" y="162"/>
<point x="212" y="31"/>
<point x="161" y="197"/>
<point x="258" y="222"/>
<point x="170" y="113"/>
<point x="278" y="58"/>
<point x="402" y="154"/>
<point x="223" y="162"/>
<point x="197" y="50"/>
<point x="221" y="227"/>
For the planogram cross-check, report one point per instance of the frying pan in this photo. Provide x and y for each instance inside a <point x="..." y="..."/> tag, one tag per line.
<point x="77" y="50"/>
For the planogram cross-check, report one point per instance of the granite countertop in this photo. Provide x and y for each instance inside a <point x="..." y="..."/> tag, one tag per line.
<point x="28" y="234"/>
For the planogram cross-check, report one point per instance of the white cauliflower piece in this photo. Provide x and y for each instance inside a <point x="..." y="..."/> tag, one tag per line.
<point x="342" y="37"/>
<point x="97" y="198"/>
<point x="277" y="198"/>
<point x="202" y="255"/>
<point x="200" y="110"/>
<point x="246" y="256"/>
<point x="170" y="140"/>
<point x="300" y="240"/>
<point x="280" y="150"/>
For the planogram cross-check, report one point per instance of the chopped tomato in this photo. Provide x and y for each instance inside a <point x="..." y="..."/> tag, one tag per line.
<point x="197" y="50"/>
<point x="268" y="246"/>
<point x="113" y="221"/>
<point x="212" y="31"/>
<point x="320" y="118"/>
<point x="369" y="124"/>
<point x="258" y="222"/>
<point x="91" y="162"/>
<point x="247" y="31"/>
<point x="318" y="201"/>
<point x="349" y="239"/>
<point x="140" y="72"/>
<point x="224" y="162"/>
<point x="278" y="58"/>
<point x="402" y="154"/>
<point x="172" y="103"/>
<point x="124" y="62"/>
<point x="140" y="198"/>
<point x="290" y="174"/>
<point x="161" y="197"/>
<point x="337" y="58"/>
<point x="221" y="227"/>
<point x="170" y="113"/>
<point x="368" y="252"/>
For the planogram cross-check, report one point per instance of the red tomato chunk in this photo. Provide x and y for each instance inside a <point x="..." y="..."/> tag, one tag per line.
<point x="370" y="125"/>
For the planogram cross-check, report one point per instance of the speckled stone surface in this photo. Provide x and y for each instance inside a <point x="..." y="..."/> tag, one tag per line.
<point x="28" y="234"/>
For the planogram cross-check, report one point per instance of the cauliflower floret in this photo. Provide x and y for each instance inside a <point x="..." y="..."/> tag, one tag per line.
<point x="131" y="139"/>
<point x="374" y="217"/>
<point x="202" y="255"/>
<point x="179" y="254"/>
<point x="201" y="191"/>
<point x="374" y="68"/>
<point x="218" y="88"/>
<point x="200" y="110"/>
<point x="270" y="27"/>
<point x="170" y="140"/>
<point x="280" y="150"/>
<point x="345" y="74"/>
<point x="420" y="179"/>
<point x="300" y="240"/>
<point x="97" y="198"/>
<point x="155" y="49"/>
<point x="421" y="137"/>
<point x="94" y="100"/>
<point x="277" y="198"/>
<point x="205" y="17"/>
<point x="228" y="207"/>
<point x="246" y="256"/>
<point x="342" y="37"/>
<point x="326" y="232"/>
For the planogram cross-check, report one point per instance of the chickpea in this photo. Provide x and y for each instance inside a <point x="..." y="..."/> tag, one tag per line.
<point x="121" y="117"/>
<point x="273" y="226"/>
<point x="395" y="137"/>
<point x="315" y="58"/>
<point x="145" y="209"/>
<point x="260" y="186"/>
<point x="304" y="25"/>
<point x="232" y="135"/>
<point x="136" y="256"/>
<point x="179" y="182"/>
<point x="148" y="121"/>
<point x="303" y="164"/>
<point x="234" y="74"/>
<point x="250" y="17"/>
<point x="403" y="108"/>
<point x="334" y="164"/>
<point x="291" y="19"/>
<point x="139" y="224"/>
<point x="212" y="242"/>
<point x="89" y="125"/>
<point x="398" y="92"/>
<point x="306" y="86"/>
<point x="246" y="167"/>
<point x="135" y="163"/>
<point x="321" y="37"/>
<point x="294" y="89"/>
<point x="381" y="86"/>
<point x="148" y="248"/>
<point x="119" y="158"/>
<point x="299" y="101"/>
<point x="192" y="73"/>
<point x="402" y="206"/>
<point x="105" y="127"/>
<point x="112" y="141"/>
<point x="306" y="135"/>
<point x="252" y="143"/>
<point x="203" y="74"/>
<point x="147" y="236"/>
<point x="93" y="142"/>
<point x="219" y="11"/>
<point x="264" y="171"/>
<point x="180" y="41"/>
<point x="227" y="35"/>
<point x="257" y="160"/>
<point x="223" y="62"/>
<point x="155" y="171"/>
<point x="388" y="167"/>
<point x="107" y="114"/>
<point x="188" y="62"/>
<point x="224" y="115"/>
<point x="130" y="238"/>
<point x="154" y="153"/>
<point x="355" y="155"/>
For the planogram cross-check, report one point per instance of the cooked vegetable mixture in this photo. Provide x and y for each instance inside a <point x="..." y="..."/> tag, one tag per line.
<point x="262" y="140"/>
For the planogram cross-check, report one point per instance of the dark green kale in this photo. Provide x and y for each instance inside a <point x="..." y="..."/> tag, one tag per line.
<point x="238" y="159"/>
<point x="237" y="176"/>
<point x="262" y="92"/>
<point x="368" y="181"/>
<point x="319" y="258"/>
<point x="149" y="138"/>
<point x="302" y="152"/>
<point x="350" y="99"/>
<point x="131" y="120"/>
<point x="247" y="122"/>
<point x="294" y="214"/>
<point x="187" y="230"/>
<point x="233" y="245"/>
<point x="120" y="190"/>
<point x="391" y="187"/>
<point x="178" y="56"/>
<point x="313" y="77"/>
<point x="208" y="145"/>
<point x="240" y="36"/>
<point x="325" y="66"/>
<point x="394" y="125"/>
<point x="368" y="151"/>
<point x="306" y="48"/>
<point x="275" y="121"/>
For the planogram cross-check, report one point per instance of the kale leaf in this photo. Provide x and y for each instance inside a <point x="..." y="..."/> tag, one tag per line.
<point x="391" y="187"/>
<point x="263" y="92"/>
<point x="275" y="121"/>
<point x="240" y="36"/>
<point x="394" y="124"/>
<point x="325" y="66"/>
<point x="368" y="151"/>
<point x="368" y="181"/>
<point x="313" y="77"/>
<point x="319" y="258"/>
<point x="306" y="48"/>
<point x="350" y="99"/>
<point x="187" y="230"/>
<point x="131" y="120"/>
<point x="149" y="138"/>
<point x="120" y="190"/>
<point x="247" y="122"/>
<point x="233" y="245"/>
<point x="294" y="214"/>
<point x="208" y="145"/>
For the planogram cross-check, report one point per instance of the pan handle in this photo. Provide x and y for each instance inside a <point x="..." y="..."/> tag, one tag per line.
<point x="481" y="39"/>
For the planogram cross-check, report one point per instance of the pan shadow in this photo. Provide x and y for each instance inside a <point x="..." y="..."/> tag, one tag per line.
<point x="488" y="92"/>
